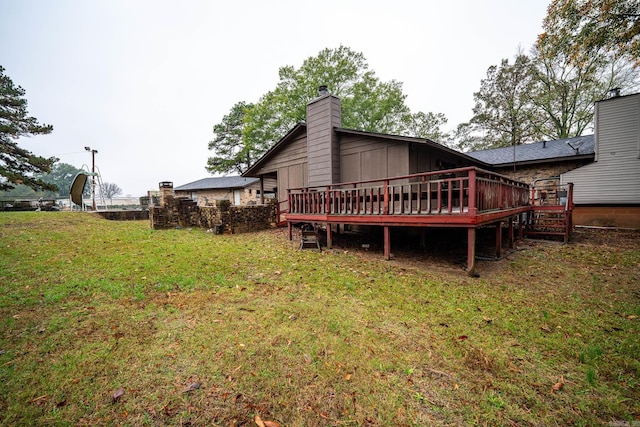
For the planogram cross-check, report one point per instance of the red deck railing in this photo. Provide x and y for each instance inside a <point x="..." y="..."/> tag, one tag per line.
<point x="465" y="191"/>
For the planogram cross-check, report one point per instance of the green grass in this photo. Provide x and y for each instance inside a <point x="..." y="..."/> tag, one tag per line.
<point x="89" y="306"/>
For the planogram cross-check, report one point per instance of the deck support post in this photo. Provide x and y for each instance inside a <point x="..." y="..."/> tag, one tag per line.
<point x="387" y="243"/>
<point x="521" y="226"/>
<point x="471" y="252"/>
<point x="511" y="234"/>
<point x="290" y="230"/>
<point x="498" y="239"/>
<point x="329" y="237"/>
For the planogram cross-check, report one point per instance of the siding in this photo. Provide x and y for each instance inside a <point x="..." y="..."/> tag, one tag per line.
<point x="370" y="158"/>
<point x="615" y="177"/>
<point x="323" y="115"/>
<point x="293" y="153"/>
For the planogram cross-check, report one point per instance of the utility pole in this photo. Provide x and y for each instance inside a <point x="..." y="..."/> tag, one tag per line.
<point x="93" y="177"/>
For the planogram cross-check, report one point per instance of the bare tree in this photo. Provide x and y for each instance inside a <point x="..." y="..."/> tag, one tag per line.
<point x="110" y="190"/>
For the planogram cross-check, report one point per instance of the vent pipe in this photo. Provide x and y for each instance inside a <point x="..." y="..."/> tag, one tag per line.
<point x="614" y="93"/>
<point x="322" y="90"/>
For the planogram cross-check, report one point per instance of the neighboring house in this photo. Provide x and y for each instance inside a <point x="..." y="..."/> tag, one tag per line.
<point x="238" y="190"/>
<point x="539" y="160"/>
<point x="607" y="191"/>
<point x="321" y="152"/>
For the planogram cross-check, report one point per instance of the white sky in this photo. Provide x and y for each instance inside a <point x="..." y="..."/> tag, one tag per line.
<point x="143" y="82"/>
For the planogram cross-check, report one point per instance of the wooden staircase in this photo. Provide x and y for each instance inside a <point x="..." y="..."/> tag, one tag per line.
<point x="549" y="221"/>
<point x="552" y="206"/>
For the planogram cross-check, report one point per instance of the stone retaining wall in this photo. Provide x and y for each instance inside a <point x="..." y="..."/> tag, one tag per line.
<point x="221" y="217"/>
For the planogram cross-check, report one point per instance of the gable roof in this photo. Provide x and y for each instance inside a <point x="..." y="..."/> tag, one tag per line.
<point x="296" y="130"/>
<point x="579" y="147"/>
<point x="215" y="183"/>
<point x="412" y="139"/>
<point x="302" y="127"/>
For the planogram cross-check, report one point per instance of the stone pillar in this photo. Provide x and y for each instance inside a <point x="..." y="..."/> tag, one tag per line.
<point x="166" y="193"/>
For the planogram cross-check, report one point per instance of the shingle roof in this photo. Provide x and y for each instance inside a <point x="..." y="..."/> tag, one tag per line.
<point x="582" y="146"/>
<point x="213" y="183"/>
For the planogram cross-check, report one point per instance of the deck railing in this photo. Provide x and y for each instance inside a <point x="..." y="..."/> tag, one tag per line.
<point x="465" y="191"/>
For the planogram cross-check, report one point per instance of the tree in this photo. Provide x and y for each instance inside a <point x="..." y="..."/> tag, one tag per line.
<point x="17" y="165"/>
<point x="367" y="104"/>
<point x="566" y="87"/>
<point x="232" y="154"/>
<point x="549" y="94"/>
<point x="427" y="125"/>
<point x="504" y="113"/>
<point x="61" y="175"/>
<point x="593" y="25"/>
<point x="110" y="190"/>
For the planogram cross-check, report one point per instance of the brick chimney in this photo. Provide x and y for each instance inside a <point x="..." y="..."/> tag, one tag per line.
<point x="323" y="151"/>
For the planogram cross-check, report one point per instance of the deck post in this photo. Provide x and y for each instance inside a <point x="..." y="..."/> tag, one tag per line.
<point x="290" y="230"/>
<point x="521" y="226"/>
<point x="498" y="239"/>
<point x="471" y="252"/>
<point x="511" y="234"/>
<point x="329" y="237"/>
<point x="385" y="209"/>
<point x="387" y="243"/>
<point x="472" y="208"/>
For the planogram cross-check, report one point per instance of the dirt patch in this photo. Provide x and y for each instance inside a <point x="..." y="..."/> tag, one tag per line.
<point x="445" y="249"/>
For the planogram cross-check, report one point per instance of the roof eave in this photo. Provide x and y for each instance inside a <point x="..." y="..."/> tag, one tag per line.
<point x="546" y="160"/>
<point x="252" y="171"/>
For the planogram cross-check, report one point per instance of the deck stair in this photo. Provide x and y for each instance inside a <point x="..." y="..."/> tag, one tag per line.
<point x="309" y="237"/>
<point x="551" y="210"/>
<point x="549" y="221"/>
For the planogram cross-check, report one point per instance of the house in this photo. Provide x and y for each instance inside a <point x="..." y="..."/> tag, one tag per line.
<point x="607" y="191"/>
<point x="326" y="174"/>
<point x="321" y="152"/>
<point x="238" y="190"/>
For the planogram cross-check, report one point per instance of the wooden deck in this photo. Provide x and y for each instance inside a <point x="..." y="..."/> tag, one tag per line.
<point x="466" y="197"/>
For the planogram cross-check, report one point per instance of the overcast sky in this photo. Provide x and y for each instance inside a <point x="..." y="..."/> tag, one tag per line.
<point x="143" y="82"/>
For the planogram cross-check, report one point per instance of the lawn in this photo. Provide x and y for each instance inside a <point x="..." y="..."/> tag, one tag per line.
<point x="105" y="323"/>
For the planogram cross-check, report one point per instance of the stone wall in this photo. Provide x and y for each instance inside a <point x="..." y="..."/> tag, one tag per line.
<point x="220" y="217"/>
<point x="124" y="215"/>
<point x="528" y="173"/>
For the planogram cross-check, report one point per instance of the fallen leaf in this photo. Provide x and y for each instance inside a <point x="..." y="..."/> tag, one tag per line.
<point x="347" y="377"/>
<point x="558" y="386"/>
<point x="632" y="316"/>
<point x="462" y="337"/>
<point x="117" y="395"/>
<point x="271" y="424"/>
<point x="191" y="387"/>
<point x="307" y="358"/>
<point x="259" y="421"/>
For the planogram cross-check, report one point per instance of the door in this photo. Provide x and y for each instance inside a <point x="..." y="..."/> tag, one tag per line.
<point x="236" y="197"/>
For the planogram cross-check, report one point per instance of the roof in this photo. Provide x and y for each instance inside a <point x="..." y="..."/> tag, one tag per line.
<point x="214" y="183"/>
<point x="302" y="126"/>
<point x="298" y="128"/>
<point x="409" y="139"/>
<point x="560" y="149"/>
